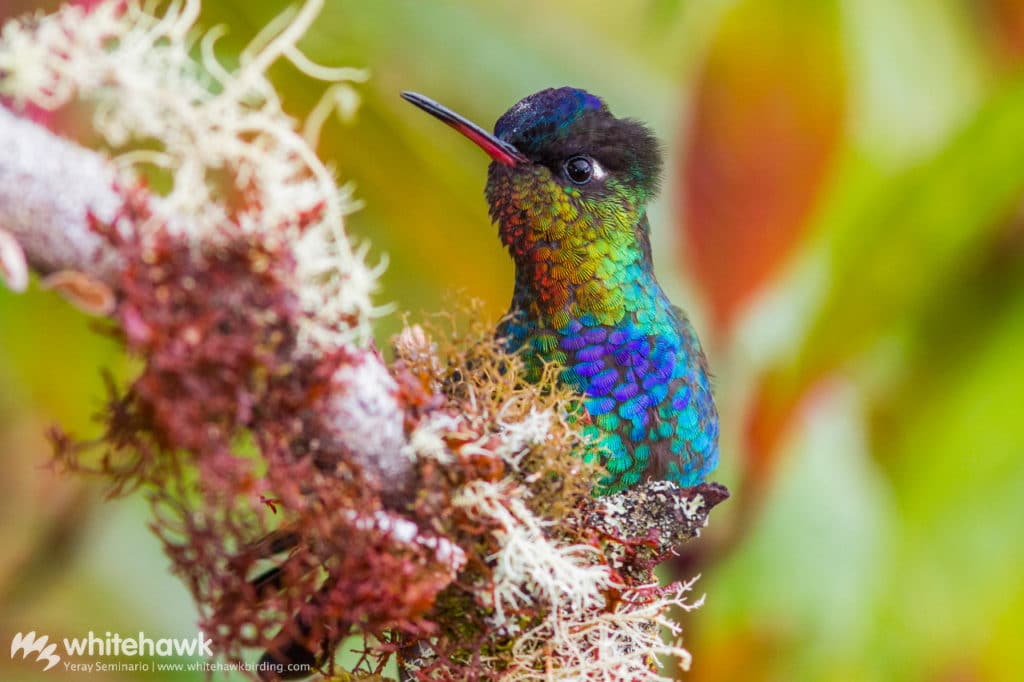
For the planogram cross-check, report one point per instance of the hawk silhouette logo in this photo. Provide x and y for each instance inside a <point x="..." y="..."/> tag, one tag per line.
<point x="41" y="646"/>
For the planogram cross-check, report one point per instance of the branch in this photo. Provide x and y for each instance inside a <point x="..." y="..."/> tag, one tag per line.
<point x="673" y="515"/>
<point x="48" y="189"/>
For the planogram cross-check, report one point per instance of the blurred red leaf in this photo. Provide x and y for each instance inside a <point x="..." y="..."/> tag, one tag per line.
<point x="779" y="400"/>
<point x="767" y="116"/>
<point x="769" y="418"/>
<point x="1004" y="22"/>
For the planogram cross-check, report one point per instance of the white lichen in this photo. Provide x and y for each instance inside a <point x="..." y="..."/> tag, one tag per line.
<point x="427" y="439"/>
<point x="406" y="532"/>
<point x="693" y="507"/>
<point x="161" y="111"/>
<point x="529" y="568"/>
<point x="363" y="409"/>
<point x="589" y="639"/>
<point x="517" y="437"/>
<point x="624" y="643"/>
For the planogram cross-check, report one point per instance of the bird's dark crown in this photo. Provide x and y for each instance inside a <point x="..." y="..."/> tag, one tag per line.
<point x="552" y="125"/>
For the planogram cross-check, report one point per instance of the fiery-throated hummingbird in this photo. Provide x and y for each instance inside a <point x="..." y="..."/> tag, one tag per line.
<point x="568" y="187"/>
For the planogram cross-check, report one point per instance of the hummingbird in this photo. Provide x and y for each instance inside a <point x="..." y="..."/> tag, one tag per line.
<point x="568" y="186"/>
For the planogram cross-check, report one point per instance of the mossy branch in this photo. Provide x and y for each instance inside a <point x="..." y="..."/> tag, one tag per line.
<point x="304" y="490"/>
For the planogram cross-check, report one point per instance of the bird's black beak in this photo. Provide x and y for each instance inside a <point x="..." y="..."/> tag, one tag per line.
<point x="499" y="150"/>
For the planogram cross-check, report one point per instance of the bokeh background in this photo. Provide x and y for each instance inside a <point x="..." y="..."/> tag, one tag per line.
<point x="842" y="217"/>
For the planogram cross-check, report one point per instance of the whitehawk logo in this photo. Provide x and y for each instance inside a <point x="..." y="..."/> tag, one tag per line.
<point x="28" y="644"/>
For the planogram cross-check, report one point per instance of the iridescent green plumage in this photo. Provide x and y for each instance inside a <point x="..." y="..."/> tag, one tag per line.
<point x="569" y="188"/>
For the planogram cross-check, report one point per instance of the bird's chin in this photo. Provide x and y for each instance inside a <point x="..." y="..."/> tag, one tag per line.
<point x="499" y="170"/>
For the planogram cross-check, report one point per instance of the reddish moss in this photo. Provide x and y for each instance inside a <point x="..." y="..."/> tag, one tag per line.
<point x="226" y="415"/>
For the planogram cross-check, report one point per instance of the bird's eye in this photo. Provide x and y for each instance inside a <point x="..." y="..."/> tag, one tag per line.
<point x="580" y="169"/>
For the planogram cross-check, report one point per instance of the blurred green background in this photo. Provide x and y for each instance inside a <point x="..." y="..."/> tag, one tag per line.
<point x="842" y="217"/>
